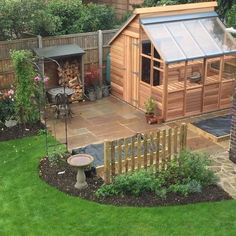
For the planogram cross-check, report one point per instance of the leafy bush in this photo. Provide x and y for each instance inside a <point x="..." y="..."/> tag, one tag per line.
<point x="57" y="155"/>
<point x="185" y="175"/>
<point x="54" y="18"/>
<point x="95" y="17"/>
<point x="231" y="16"/>
<point x="134" y="183"/>
<point x="190" y="166"/>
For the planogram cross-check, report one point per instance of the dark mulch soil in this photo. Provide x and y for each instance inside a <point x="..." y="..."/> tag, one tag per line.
<point x="20" y="131"/>
<point x="62" y="176"/>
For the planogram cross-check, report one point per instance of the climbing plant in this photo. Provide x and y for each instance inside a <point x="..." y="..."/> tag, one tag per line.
<point x="25" y="100"/>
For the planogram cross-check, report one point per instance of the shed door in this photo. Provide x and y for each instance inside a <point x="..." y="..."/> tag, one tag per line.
<point x="131" y="80"/>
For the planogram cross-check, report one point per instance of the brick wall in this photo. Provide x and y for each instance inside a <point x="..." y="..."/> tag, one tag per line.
<point x="232" y="151"/>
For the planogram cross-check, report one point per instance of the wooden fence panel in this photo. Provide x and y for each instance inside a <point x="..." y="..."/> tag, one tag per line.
<point x="87" y="41"/>
<point x="139" y="152"/>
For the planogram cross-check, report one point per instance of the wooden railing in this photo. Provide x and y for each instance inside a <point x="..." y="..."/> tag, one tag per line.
<point x="143" y="150"/>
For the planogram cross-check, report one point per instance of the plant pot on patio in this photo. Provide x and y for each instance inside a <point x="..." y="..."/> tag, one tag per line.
<point x="92" y="95"/>
<point x="106" y="90"/>
<point x="149" y="117"/>
<point x="98" y="92"/>
<point x="150" y="108"/>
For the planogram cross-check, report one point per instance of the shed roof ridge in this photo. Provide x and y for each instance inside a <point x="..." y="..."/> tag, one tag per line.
<point x="179" y="7"/>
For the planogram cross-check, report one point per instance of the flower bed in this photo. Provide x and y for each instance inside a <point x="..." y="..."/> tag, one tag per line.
<point x="142" y="188"/>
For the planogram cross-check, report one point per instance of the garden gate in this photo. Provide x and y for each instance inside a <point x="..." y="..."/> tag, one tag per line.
<point x="143" y="150"/>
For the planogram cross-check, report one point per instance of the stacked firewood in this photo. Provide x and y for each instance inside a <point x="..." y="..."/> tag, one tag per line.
<point x="70" y="76"/>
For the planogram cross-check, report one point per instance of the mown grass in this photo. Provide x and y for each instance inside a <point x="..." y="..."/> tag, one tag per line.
<point x="29" y="206"/>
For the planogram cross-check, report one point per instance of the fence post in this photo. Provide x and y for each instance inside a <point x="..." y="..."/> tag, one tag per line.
<point x="40" y="41"/>
<point x="119" y="153"/>
<point x="132" y="153"/>
<point x="139" y="151"/>
<point x="126" y="147"/>
<point x="100" y="55"/>
<point x="163" y="159"/>
<point x="157" y="150"/>
<point x="107" y="162"/>
<point x="113" y="164"/>
<point x="151" y="144"/>
<point x="169" y="144"/>
<point x="183" y="136"/>
<point x="145" y="138"/>
<point x="175" y="141"/>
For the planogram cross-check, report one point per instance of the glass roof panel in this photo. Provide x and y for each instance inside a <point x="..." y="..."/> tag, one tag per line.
<point x="184" y="39"/>
<point x="164" y="42"/>
<point x="221" y="37"/>
<point x="203" y="38"/>
<point x="189" y="39"/>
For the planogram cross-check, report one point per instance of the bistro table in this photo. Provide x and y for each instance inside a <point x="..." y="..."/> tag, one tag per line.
<point x="52" y="93"/>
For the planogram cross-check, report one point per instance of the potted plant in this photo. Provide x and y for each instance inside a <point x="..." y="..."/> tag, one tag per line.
<point x="98" y="91"/>
<point x="92" y="83"/>
<point x="105" y="90"/>
<point x="91" y="94"/>
<point x="150" y="106"/>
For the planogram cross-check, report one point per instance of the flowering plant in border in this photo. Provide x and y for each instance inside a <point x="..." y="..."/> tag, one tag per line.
<point x="7" y="106"/>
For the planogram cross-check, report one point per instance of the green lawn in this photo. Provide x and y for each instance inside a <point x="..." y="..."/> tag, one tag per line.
<point x="29" y="206"/>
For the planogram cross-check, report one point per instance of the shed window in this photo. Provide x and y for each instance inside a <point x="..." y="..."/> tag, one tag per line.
<point x="146" y="65"/>
<point x="156" y="77"/>
<point x="146" y="47"/>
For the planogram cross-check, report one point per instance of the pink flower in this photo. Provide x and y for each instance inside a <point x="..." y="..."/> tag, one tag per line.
<point x="46" y="79"/>
<point x="37" y="78"/>
<point x="10" y="92"/>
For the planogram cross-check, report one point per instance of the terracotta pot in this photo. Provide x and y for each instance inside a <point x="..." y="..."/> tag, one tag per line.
<point x="149" y="116"/>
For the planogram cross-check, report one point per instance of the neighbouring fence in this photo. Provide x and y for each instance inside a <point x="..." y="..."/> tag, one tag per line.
<point x="141" y="151"/>
<point x="88" y="41"/>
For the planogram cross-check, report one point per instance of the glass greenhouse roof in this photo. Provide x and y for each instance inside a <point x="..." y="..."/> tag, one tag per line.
<point x="188" y="37"/>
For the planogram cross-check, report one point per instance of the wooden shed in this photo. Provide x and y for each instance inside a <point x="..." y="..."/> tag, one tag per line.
<point x="180" y="55"/>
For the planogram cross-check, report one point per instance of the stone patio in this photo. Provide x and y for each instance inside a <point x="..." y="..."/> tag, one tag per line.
<point x="95" y="122"/>
<point x="111" y="118"/>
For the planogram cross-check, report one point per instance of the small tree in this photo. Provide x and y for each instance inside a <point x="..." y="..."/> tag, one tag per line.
<point x="231" y="16"/>
<point x="26" y="105"/>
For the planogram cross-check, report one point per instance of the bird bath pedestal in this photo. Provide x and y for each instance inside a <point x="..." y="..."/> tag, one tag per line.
<point x="81" y="161"/>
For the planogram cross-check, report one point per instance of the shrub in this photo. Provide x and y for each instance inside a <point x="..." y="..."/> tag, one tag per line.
<point x="187" y="174"/>
<point x="57" y="155"/>
<point x="134" y="183"/>
<point x="189" y="166"/>
<point x="54" y="18"/>
<point x="95" y="17"/>
<point x="231" y="16"/>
